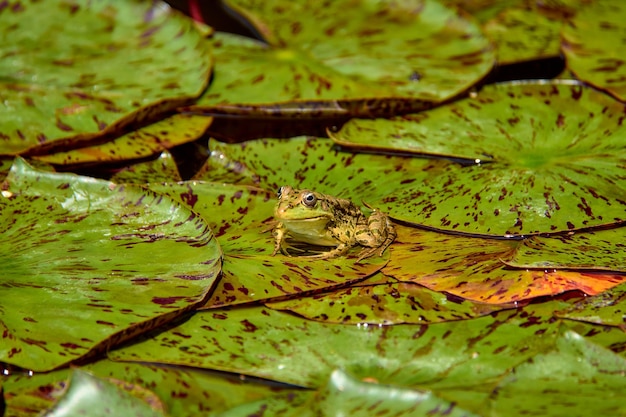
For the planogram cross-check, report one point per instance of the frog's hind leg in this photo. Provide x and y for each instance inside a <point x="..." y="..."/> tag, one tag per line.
<point x="340" y="250"/>
<point x="379" y="234"/>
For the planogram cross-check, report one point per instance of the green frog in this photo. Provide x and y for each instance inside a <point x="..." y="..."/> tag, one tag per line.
<point x="314" y="218"/>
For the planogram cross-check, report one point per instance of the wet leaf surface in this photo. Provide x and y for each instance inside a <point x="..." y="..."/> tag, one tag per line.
<point x="589" y="53"/>
<point x="241" y="218"/>
<point x="141" y="143"/>
<point x="88" y="263"/>
<point x="392" y="303"/>
<point x="262" y="342"/>
<point x="72" y="72"/>
<point x="87" y="395"/>
<point x="472" y="268"/>
<point x="555" y="161"/>
<point x="392" y="52"/>
<point x="162" y="169"/>
<point x="184" y="392"/>
<point x="345" y="395"/>
<point x="592" y="250"/>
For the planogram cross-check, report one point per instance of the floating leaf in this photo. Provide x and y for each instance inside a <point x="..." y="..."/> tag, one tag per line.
<point x="345" y="395"/>
<point x="75" y="71"/>
<point x="595" y="250"/>
<point x="87" y="395"/>
<point x="472" y="268"/>
<point x="608" y="308"/>
<point x="241" y="218"/>
<point x="88" y="264"/>
<point x="522" y="35"/>
<point x="384" y="304"/>
<point x="142" y="143"/>
<point x="266" y="343"/>
<point x="589" y="55"/>
<point x="162" y="169"/>
<point x="577" y="377"/>
<point x="184" y="392"/>
<point x="379" y="56"/>
<point x="556" y="158"/>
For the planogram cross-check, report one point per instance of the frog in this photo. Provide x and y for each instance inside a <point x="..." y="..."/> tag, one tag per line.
<point x="314" y="218"/>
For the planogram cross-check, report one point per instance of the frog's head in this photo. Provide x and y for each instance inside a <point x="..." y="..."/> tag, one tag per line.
<point x="301" y="205"/>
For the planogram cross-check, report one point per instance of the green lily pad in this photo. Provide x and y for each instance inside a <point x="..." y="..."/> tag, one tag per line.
<point x="577" y="377"/>
<point x="608" y="308"/>
<point x="74" y="71"/>
<point x="556" y="161"/>
<point x="345" y="395"/>
<point x="472" y="268"/>
<point x="142" y="143"/>
<point x="383" y="56"/>
<point x="522" y="35"/>
<point x="242" y="218"/>
<point x="281" y="347"/>
<point x="88" y="264"/>
<point x="184" y="392"/>
<point x="592" y="250"/>
<point x="87" y="395"/>
<point x="385" y="304"/>
<point x="162" y="169"/>
<point x="587" y="52"/>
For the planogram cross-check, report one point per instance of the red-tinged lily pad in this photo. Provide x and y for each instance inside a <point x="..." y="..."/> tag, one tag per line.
<point x="555" y="160"/>
<point x="184" y="392"/>
<point x="608" y="308"/>
<point x="587" y="52"/>
<point x="315" y="163"/>
<point x="522" y="34"/>
<point x="349" y="396"/>
<point x="398" y="55"/>
<point x="242" y="218"/>
<point x="75" y="70"/>
<point x="88" y="264"/>
<point x="592" y="250"/>
<point x="87" y="395"/>
<point x="142" y="143"/>
<point x="472" y="268"/>
<point x="161" y="169"/>
<point x="282" y="347"/>
<point x="385" y="304"/>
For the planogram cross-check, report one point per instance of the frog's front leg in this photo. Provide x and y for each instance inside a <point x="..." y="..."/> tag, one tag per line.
<point x="279" y="236"/>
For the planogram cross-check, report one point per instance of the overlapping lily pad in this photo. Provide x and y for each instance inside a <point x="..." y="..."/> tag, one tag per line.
<point x="608" y="308"/>
<point x="592" y="250"/>
<point x="141" y="143"/>
<point x="594" y="47"/>
<point x="87" y="263"/>
<point x="401" y="55"/>
<point x="161" y="169"/>
<point x="555" y="154"/>
<point x="242" y="218"/>
<point x="472" y="268"/>
<point x="392" y="303"/>
<point x="72" y="71"/>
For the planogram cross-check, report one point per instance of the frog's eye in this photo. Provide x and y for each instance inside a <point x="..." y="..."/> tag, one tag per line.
<point x="309" y="199"/>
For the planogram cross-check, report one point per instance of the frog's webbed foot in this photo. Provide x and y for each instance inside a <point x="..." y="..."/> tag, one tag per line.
<point x="333" y="253"/>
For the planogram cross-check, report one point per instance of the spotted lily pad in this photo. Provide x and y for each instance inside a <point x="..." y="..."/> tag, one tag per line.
<point x="162" y="169"/>
<point x="270" y="344"/>
<point x="608" y="308"/>
<point x="556" y="161"/>
<point x="88" y="263"/>
<point x="142" y="143"/>
<point x="242" y="218"/>
<point x="385" y="304"/>
<point x="75" y="70"/>
<point x="380" y="54"/>
<point x="589" y="55"/>
<point x="472" y="268"/>
<point x="593" y="250"/>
